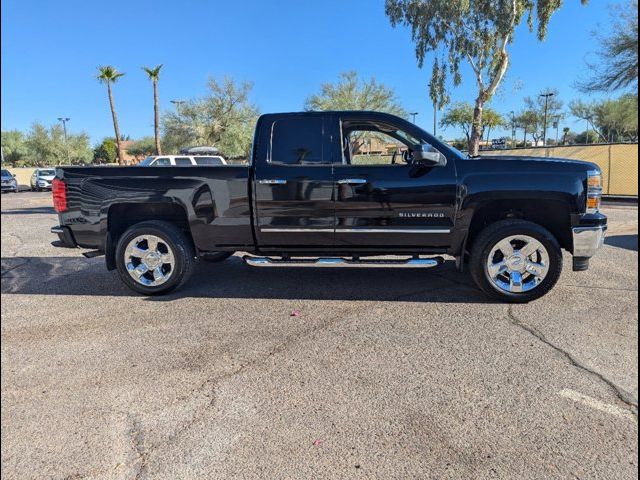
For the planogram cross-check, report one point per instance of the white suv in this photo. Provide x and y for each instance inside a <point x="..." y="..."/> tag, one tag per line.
<point x="41" y="179"/>
<point x="182" y="161"/>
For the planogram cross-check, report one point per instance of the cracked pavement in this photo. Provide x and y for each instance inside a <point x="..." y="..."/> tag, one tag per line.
<point x="384" y="374"/>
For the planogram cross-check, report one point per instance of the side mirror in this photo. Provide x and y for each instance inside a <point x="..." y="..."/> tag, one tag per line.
<point x="425" y="154"/>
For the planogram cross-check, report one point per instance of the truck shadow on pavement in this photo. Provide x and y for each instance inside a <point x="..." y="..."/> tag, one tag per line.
<point x="234" y="279"/>
<point x="30" y="211"/>
<point x="628" y="242"/>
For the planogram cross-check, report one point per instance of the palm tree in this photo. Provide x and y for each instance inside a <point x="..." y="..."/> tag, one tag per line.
<point x="108" y="75"/>
<point x="154" y="76"/>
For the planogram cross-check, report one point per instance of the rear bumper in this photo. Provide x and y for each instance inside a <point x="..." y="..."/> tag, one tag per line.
<point x="65" y="237"/>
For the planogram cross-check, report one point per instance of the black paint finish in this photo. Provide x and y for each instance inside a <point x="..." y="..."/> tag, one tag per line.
<point x="305" y="207"/>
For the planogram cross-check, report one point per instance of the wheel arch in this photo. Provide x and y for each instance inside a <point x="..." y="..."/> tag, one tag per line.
<point x="122" y="216"/>
<point x="554" y="215"/>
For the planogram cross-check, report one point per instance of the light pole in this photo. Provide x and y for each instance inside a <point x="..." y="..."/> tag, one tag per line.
<point x="64" y="121"/>
<point x="513" y="128"/>
<point x="413" y="116"/>
<point x="177" y="103"/>
<point x="435" y="112"/>
<point x="546" y="106"/>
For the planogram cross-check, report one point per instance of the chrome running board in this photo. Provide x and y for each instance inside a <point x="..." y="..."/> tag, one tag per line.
<point x="342" y="262"/>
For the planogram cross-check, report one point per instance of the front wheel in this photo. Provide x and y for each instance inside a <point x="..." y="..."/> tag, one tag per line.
<point x="516" y="261"/>
<point x="154" y="257"/>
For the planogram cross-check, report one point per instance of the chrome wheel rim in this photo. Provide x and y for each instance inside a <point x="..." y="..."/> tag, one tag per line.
<point x="149" y="260"/>
<point x="518" y="264"/>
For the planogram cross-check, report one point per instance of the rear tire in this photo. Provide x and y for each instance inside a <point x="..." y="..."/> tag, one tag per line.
<point x="154" y="257"/>
<point x="516" y="276"/>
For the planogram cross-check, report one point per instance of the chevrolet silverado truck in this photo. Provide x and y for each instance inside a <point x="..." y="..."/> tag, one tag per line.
<point x="339" y="189"/>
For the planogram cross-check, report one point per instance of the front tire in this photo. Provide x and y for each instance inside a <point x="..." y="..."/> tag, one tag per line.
<point x="515" y="261"/>
<point x="154" y="257"/>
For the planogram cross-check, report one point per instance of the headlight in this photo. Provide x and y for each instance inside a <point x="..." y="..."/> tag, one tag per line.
<point x="594" y="191"/>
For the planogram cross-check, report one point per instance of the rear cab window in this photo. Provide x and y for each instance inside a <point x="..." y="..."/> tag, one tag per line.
<point x="298" y="141"/>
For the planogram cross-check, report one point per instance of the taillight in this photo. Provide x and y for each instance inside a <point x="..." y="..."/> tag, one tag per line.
<point x="59" y="190"/>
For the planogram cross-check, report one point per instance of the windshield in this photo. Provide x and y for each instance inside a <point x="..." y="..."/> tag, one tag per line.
<point x="47" y="173"/>
<point x="5" y="173"/>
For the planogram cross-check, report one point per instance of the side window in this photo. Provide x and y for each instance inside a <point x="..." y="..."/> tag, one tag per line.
<point x="208" y="161"/>
<point x="161" y="162"/>
<point x="365" y="147"/>
<point x="183" y="162"/>
<point x="298" y="141"/>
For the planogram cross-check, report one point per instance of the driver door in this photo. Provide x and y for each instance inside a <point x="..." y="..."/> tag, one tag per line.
<point x="385" y="204"/>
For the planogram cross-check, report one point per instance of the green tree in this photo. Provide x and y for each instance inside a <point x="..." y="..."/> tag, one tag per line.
<point x="531" y="123"/>
<point x="224" y="118"/>
<point x="612" y="119"/>
<point x="46" y="146"/>
<point x="586" y="137"/>
<point x="491" y="120"/>
<point x="154" y="76"/>
<point x="351" y="93"/>
<point x="567" y="136"/>
<point x="617" y="65"/>
<point x="106" y="152"/>
<point x="586" y="111"/>
<point x="478" y="32"/>
<point x="143" y="147"/>
<point x="109" y="75"/>
<point x="617" y="118"/>
<point x="460" y="115"/>
<point x="536" y="107"/>
<point x="14" y="147"/>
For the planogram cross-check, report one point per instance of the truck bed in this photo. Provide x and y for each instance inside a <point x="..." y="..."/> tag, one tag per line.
<point x="212" y="201"/>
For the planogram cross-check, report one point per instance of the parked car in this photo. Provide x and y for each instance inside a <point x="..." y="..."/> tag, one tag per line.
<point x="182" y="161"/>
<point x="306" y="201"/>
<point x="41" y="179"/>
<point x="9" y="182"/>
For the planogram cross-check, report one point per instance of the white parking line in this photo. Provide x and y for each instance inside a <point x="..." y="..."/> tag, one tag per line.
<point x="597" y="404"/>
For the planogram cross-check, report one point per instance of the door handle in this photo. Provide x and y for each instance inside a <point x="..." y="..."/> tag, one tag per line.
<point x="272" y="181"/>
<point x="352" y="181"/>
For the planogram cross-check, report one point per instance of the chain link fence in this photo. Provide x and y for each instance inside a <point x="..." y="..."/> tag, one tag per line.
<point x="618" y="162"/>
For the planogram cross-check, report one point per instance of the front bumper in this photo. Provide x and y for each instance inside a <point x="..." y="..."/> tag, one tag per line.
<point x="587" y="240"/>
<point x="9" y="187"/>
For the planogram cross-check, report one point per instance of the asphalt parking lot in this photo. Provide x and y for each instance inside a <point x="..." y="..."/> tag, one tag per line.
<point x="383" y="374"/>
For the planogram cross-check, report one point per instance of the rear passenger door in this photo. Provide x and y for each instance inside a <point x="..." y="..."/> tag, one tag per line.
<point x="293" y="188"/>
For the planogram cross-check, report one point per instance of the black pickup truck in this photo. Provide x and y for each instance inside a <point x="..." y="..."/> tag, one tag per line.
<point x="340" y="189"/>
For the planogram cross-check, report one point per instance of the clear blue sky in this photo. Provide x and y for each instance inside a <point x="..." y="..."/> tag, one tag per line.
<point x="287" y="48"/>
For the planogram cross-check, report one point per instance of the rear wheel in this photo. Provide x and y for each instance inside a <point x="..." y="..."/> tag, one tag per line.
<point x="516" y="261"/>
<point x="154" y="257"/>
